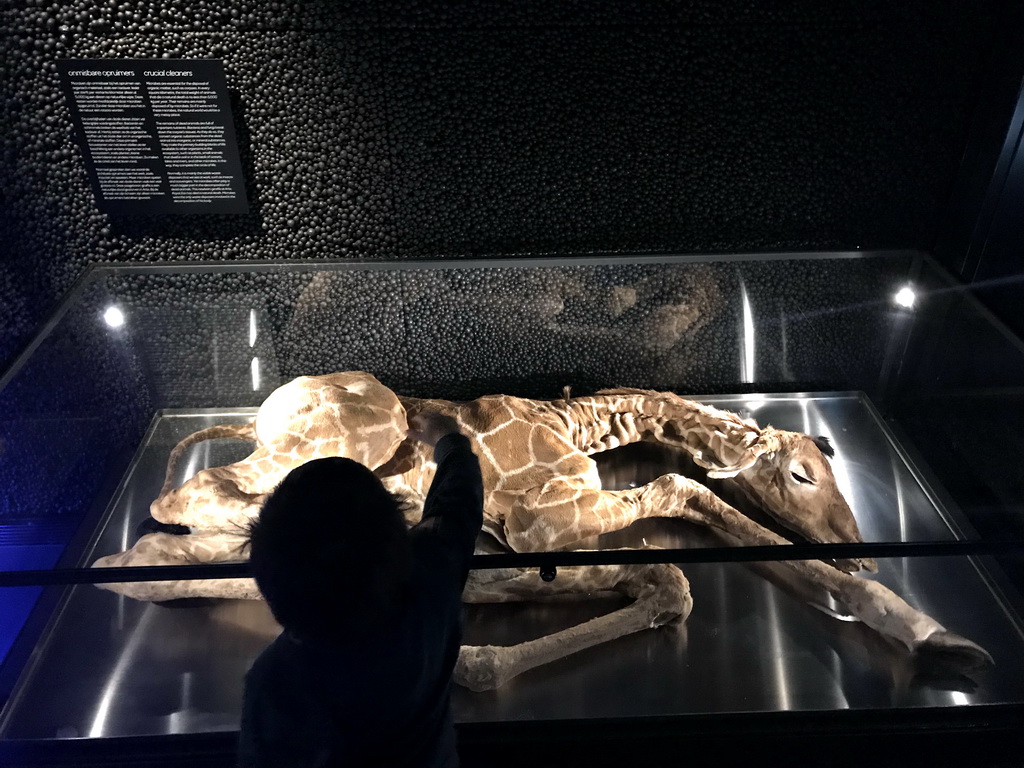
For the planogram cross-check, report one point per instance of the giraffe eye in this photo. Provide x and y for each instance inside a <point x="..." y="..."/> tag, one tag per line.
<point x="800" y="478"/>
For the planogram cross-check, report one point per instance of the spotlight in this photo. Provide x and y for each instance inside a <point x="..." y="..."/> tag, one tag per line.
<point x="113" y="317"/>
<point x="905" y="297"/>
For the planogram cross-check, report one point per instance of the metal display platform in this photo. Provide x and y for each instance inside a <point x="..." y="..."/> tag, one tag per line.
<point x="755" y="642"/>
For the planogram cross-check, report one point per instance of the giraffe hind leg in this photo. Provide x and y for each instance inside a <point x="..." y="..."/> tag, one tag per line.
<point x="660" y="595"/>
<point x="245" y="431"/>
<point x="165" y="549"/>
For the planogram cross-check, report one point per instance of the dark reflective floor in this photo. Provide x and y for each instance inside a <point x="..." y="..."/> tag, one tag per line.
<point x="113" y="666"/>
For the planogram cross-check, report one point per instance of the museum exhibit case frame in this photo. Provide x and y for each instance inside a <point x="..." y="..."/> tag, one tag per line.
<point x="919" y="390"/>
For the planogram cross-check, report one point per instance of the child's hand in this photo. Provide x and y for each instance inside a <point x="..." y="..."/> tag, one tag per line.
<point x="430" y="426"/>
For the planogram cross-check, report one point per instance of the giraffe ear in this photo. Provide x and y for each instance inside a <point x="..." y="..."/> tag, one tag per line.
<point x="823" y="445"/>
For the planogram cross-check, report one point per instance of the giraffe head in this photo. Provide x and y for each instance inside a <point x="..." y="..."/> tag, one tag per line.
<point x="793" y="481"/>
<point x="787" y="474"/>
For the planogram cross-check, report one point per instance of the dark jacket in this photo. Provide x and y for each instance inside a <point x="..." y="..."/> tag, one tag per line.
<point x="380" y="698"/>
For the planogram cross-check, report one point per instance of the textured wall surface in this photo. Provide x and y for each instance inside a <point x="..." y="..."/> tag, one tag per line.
<point x="411" y="129"/>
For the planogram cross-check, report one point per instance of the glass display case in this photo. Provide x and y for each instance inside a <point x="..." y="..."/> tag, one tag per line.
<point x="919" y="391"/>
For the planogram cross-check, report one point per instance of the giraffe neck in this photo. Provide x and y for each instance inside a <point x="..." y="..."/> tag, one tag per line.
<point x="608" y="420"/>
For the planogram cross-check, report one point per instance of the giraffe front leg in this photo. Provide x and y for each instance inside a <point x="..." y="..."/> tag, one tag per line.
<point x="883" y="610"/>
<point x="558" y="514"/>
<point x="873" y="603"/>
<point x="660" y="594"/>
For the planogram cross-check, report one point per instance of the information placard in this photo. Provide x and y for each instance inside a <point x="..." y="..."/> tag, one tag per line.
<point x="157" y="134"/>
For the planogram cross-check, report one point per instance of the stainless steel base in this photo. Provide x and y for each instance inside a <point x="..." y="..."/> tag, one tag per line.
<point x="110" y="666"/>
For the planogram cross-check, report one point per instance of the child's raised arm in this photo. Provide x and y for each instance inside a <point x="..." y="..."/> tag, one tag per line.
<point x="454" y="505"/>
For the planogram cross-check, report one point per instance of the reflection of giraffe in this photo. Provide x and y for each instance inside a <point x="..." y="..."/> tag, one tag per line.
<point x="657" y="311"/>
<point x="542" y="492"/>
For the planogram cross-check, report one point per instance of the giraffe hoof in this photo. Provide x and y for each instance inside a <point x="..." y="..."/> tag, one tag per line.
<point x="946" y="650"/>
<point x="479" y="668"/>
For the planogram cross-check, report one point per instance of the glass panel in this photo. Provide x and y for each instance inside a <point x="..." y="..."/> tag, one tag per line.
<point x="760" y="637"/>
<point x="72" y="412"/>
<point x="16" y="604"/>
<point x="921" y="400"/>
<point x="113" y="666"/>
<point x="132" y="342"/>
<point x="959" y="401"/>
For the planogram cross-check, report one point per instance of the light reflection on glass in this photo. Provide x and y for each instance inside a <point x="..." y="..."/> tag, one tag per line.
<point x="119" y="674"/>
<point x="747" y="359"/>
<point x="193" y="464"/>
<point x="780" y="671"/>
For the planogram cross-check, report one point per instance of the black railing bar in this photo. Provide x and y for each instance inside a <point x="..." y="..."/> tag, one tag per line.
<point x="741" y="554"/>
<point x="766" y="553"/>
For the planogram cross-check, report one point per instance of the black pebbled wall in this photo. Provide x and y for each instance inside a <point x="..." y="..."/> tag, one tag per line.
<point x="414" y="129"/>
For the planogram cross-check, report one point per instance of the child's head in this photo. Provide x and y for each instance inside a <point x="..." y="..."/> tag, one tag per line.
<point x="329" y="550"/>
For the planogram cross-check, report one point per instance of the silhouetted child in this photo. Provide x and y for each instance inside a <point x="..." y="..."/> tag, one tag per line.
<point x="361" y="674"/>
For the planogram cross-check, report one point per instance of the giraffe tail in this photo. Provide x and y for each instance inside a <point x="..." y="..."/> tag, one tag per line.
<point x="245" y="431"/>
